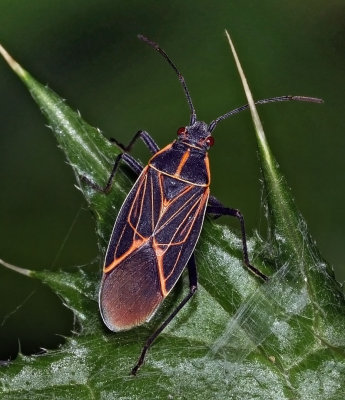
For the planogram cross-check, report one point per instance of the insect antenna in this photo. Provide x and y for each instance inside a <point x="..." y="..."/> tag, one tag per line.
<point x="180" y="76"/>
<point x="214" y="123"/>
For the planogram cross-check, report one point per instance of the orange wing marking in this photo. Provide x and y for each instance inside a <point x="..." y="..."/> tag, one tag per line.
<point x="134" y="246"/>
<point x="160" y="254"/>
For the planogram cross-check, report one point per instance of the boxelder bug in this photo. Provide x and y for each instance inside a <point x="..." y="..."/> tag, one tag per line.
<point x="159" y="223"/>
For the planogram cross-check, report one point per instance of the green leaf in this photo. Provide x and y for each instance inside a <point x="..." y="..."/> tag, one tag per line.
<point x="238" y="338"/>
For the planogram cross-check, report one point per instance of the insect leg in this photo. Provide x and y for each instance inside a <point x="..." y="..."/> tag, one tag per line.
<point x="217" y="208"/>
<point x="144" y="136"/>
<point x="193" y="285"/>
<point x="128" y="159"/>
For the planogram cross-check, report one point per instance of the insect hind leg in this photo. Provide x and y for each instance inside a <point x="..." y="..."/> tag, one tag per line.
<point x="215" y="207"/>
<point x="193" y="285"/>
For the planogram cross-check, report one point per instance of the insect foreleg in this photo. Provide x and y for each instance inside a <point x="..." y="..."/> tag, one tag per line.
<point x="128" y="159"/>
<point x="144" y="136"/>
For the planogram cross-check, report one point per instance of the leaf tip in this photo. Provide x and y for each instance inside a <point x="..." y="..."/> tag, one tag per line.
<point x="255" y="116"/>
<point x="22" y="271"/>
<point x="12" y="62"/>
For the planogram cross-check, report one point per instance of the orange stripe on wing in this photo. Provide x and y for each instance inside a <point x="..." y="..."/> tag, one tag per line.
<point x="159" y="251"/>
<point x="134" y="246"/>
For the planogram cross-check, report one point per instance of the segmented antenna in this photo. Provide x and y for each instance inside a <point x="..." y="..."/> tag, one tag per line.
<point x="214" y="123"/>
<point x="180" y="76"/>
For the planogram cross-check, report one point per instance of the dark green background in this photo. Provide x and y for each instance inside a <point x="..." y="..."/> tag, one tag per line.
<point x="88" y="52"/>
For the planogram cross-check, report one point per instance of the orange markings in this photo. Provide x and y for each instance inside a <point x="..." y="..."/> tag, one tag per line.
<point x="159" y="255"/>
<point x="182" y="162"/>
<point x="168" y="203"/>
<point x="207" y="164"/>
<point x="178" y="178"/>
<point x="136" y="244"/>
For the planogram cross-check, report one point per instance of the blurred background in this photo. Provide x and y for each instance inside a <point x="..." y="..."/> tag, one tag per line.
<point x="87" y="51"/>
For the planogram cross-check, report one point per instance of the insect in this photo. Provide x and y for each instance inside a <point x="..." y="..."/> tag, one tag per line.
<point x="159" y="223"/>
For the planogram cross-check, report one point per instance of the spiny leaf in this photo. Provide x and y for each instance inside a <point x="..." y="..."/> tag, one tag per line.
<point x="237" y="339"/>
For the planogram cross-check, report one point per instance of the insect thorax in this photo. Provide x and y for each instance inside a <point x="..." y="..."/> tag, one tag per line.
<point x="183" y="162"/>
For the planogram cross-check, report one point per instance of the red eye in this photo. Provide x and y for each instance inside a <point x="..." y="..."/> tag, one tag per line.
<point x="210" y="141"/>
<point x="182" y="130"/>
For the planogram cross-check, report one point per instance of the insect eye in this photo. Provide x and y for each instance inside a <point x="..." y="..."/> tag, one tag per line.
<point x="210" y="141"/>
<point x="182" y="131"/>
